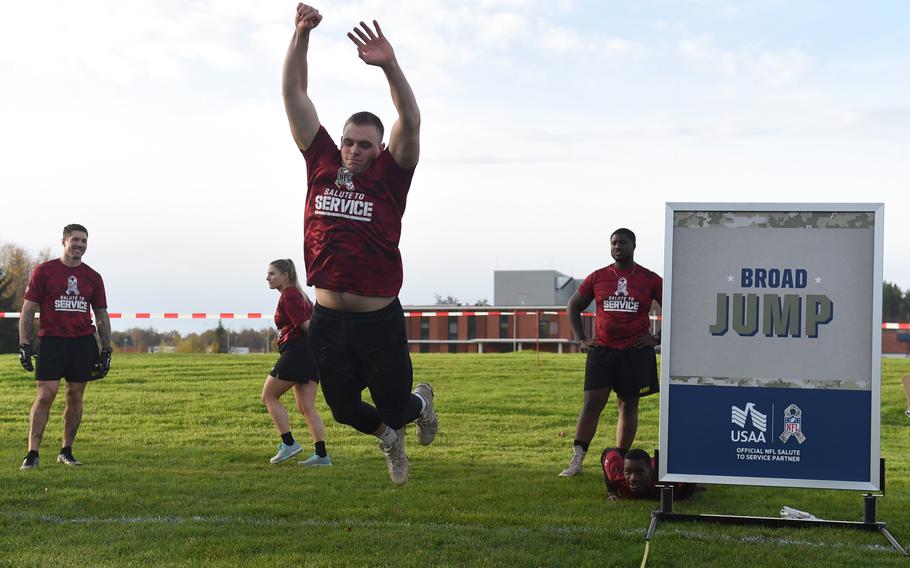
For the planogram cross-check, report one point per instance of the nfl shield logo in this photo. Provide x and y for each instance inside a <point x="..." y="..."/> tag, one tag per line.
<point x="792" y="423"/>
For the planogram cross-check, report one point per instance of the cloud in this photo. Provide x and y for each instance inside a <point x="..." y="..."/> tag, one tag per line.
<point x="748" y="63"/>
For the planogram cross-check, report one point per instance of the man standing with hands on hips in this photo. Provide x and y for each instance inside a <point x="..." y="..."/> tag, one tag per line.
<point x="621" y="355"/>
<point x="356" y="197"/>
<point x="63" y="291"/>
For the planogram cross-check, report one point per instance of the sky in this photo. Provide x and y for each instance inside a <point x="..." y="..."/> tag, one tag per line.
<point x="159" y="125"/>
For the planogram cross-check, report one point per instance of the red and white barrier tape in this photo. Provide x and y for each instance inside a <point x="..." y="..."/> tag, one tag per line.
<point x="407" y="314"/>
<point x="262" y="315"/>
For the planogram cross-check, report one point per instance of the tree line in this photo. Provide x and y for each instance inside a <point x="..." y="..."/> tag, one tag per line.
<point x="895" y="303"/>
<point x="216" y="340"/>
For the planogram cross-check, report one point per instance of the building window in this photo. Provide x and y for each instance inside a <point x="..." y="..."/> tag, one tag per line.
<point x="453" y="334"/>
<point x="504" y="327"/>
<point x="424" y="333"/>
<point x="543" y="327"/>
<point x="472" y="327"/>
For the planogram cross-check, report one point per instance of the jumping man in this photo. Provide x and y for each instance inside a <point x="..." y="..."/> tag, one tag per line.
<point x="356" y="197"/>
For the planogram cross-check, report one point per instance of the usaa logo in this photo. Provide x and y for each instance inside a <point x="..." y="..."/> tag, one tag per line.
<point x="774" y="314"/>
<point x="739" y="417"/>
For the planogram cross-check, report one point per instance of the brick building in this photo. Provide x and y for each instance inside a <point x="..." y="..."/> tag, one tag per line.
<point x="896" y="342"/>
<point x="473" y="329"/>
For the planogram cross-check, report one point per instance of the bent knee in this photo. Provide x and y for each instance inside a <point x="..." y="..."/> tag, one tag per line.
<point x="345" y="414"/>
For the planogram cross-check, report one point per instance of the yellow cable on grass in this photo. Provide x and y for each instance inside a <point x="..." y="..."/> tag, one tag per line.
<point x="644" y="560"/>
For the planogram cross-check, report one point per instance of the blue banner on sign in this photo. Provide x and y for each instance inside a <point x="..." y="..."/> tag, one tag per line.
<point x="786" y="433"/>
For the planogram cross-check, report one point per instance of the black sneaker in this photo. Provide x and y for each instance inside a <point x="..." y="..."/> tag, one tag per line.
<point x="30" y="462"/>
<point x="68" y="459"/>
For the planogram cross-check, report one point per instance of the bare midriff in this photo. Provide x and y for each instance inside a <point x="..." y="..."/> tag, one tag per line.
<point x="348" y="302"/>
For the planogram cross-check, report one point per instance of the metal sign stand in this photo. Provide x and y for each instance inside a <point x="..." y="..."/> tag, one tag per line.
<point x="665" y="513"/>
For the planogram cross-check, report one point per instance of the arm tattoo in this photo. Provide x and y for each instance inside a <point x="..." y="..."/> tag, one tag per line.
<point x="103" y="324"/>
<point x="27" y="324"/>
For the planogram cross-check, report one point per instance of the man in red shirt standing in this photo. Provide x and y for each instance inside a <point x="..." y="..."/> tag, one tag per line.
<point x="621" y="355"/>
<point x="63" y="291"/>
<point x="356" y="197"/>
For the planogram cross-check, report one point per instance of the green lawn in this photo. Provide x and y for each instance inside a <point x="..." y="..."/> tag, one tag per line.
<point x="176" y="449"/>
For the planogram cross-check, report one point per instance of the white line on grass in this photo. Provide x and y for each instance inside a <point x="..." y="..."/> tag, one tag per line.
<point x="254" y="521"/>
<point x="758" y="539"/>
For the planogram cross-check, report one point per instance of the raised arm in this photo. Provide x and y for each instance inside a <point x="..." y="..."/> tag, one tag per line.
<point x="577" y="304"/>
<point x="300" y="109"/>
<point x="374" y="49"/>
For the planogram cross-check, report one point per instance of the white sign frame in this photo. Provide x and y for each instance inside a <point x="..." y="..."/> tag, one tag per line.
<point x="877" y="209"/>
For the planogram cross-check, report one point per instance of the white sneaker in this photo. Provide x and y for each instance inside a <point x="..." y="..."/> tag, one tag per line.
<point x="574" y="467"/>
<point x="316" y="461"/>
<point x="286" y="452"/>
<point x="396" y="459"/>
<point x="428" y="422"/>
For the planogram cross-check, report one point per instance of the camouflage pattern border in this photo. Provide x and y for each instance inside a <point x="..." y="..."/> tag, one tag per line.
<point x="774" y="219"/>
<point x="835" y="384"/>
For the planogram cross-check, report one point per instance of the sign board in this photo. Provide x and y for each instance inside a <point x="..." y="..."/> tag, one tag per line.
<point x="771" y="360"/>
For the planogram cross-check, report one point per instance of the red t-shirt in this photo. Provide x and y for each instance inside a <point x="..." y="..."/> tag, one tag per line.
<point x="65" y="295"/>
<point x="293" y="310"/>
<point x="622" y="302"/>
<point x="614" y="474"/>
<point x="352" y="223"/>
<point x="615" y="478"/>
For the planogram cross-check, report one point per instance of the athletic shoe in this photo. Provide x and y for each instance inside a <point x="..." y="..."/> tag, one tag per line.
<point x="316" y="460"/>
<point x="427" y="423"/>
<point x="286" y="452"/>
<point x="907" y="413"/>
<point x="398" y="463"/>
<point x="574" y="467"/>
<point x="68" y="460"/>
<point x="30" y="462"/>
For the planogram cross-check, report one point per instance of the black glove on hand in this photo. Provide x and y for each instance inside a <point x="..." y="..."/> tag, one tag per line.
<point x="25" y="357"/>
<point x="103" y="366"/>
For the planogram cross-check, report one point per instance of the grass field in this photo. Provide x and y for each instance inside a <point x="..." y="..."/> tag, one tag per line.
<point x="176" y="449"/>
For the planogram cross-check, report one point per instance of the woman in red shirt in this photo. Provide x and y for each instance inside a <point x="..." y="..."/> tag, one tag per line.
<point x="295" y="367"/>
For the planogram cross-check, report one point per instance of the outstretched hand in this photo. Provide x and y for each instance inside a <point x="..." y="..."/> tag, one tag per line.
<point x="307" y="18"/>
<point x="372" y="47"/>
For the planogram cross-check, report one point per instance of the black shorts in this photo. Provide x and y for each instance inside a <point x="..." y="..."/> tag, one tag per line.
<point x="358" y="350"/>
<point x="629" y="372"/>
<point x="296" y="362"/>
<point x="72" y="358"/>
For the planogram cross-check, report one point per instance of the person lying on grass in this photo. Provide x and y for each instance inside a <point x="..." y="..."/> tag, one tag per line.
<point x="633" y="475"/>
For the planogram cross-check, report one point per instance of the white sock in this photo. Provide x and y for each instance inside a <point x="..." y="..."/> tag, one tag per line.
<point x="423" y="403"/>
<point x="387" y="436"/>
<point x="579" y="450"/>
